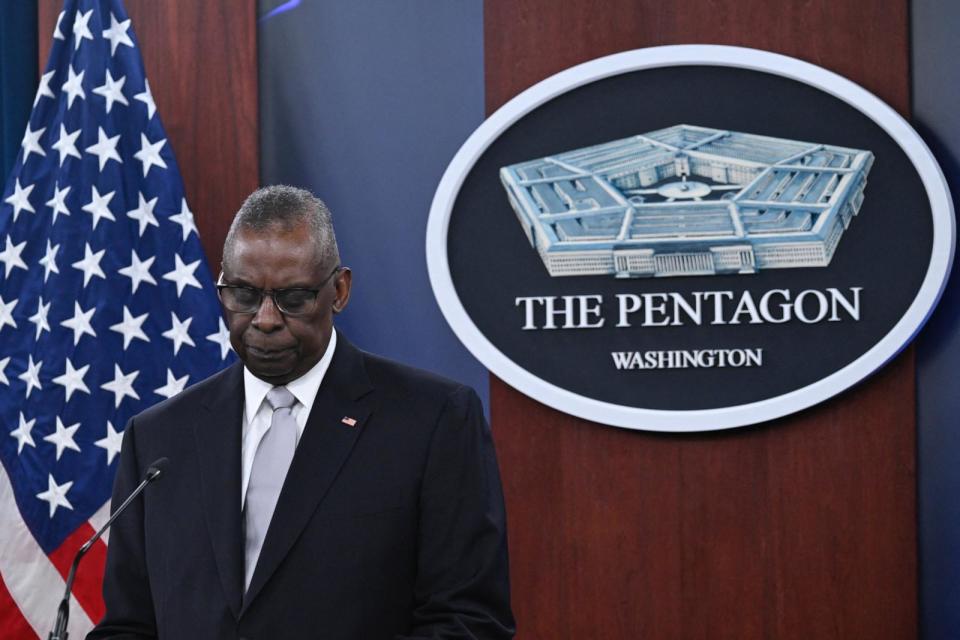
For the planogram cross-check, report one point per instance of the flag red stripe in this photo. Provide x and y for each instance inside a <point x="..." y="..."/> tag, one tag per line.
<point x="12" y="623"/>
<point x="88" y="583"/>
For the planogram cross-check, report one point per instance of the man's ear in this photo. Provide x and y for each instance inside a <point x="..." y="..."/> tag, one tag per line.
<point x="342" y="282"/>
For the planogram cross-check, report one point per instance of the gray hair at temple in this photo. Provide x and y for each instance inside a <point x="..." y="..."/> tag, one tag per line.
<point x="285" y="207"/>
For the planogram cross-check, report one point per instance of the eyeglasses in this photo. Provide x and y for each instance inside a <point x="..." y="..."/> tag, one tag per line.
<point x="295" y="301"/>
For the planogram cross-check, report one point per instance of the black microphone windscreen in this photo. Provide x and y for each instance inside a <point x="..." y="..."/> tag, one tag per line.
<point x="156" y="469"/>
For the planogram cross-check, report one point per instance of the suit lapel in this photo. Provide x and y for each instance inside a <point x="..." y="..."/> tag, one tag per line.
<point x="325" y="445"/>
<point x="218" y="435"/>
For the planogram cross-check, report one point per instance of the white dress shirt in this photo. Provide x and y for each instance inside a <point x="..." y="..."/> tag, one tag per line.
<point x="257" y="413"/>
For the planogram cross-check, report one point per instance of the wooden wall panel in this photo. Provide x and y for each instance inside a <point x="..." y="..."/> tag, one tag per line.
<point x="201" y="61"/>
<point x="865" y="40"/>
<point x="800" y="528"/>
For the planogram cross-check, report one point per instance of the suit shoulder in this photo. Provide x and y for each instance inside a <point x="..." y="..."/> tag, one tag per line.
<point x="192" y="397"/>
<point x="395" y="377"/>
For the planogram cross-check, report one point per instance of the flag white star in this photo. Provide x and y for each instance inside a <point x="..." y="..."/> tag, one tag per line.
<point x="112" y="90"/>
<point x="31" y="143"/>
<point x="72" y="379"/>
<point x="121" y="385"/>
<point x="3" y="368"/>
<point x="56" y="31"/>
<point x="66" y="144"/>
<point x="106" y="148"/>
<point x="149" y="153"/>
<point x="138" y="271"/>
<point x="144" y="213"/>
<point x="146" y="97"/>
<point x="111" y="442"/>
<point x="182" y="274"/>
<point x="117" y="33"/>
<point x="99" y="206"/>
<point x="90" y="265"/>
<point x="20" y="199"/>
<point x="222" y="338"/>
<point x="40" y="317"/>
<point x="131" y="327"/>
<point x="6" y="313"/>
<point x="43" y="91"/>
<point x="80" y="322"/>
<point x="10" y="257"/>
<point x="56" y="494"/>
<point x="74" y="86"/>
<point x="32" y="375"/>
<point x="174" y="385"/>
<point x="81" y="28"/>
<point x="49" y="261"/>
<point x="184" y="219"/>
<point x="23" y="433"/>
<point x="62" y="438"/>
<point x="59" y="201"/>
<point x="178" y="332"/>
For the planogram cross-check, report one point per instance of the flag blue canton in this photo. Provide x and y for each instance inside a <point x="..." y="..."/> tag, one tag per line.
<point x="106" y="301"/>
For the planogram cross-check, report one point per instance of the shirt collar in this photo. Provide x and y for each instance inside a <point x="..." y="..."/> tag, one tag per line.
<point x="304" y="388"/>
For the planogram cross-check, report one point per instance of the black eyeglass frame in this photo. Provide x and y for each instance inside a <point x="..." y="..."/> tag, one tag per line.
<point x="273" y="293"/>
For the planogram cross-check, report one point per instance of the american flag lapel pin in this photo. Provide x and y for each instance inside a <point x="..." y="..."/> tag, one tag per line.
<point x="350" y="422"/>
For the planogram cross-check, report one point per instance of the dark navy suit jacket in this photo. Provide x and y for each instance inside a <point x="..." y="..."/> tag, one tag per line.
<point x="392" y="528"/>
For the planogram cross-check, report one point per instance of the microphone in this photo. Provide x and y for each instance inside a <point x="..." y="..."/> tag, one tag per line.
<point x="154" y="472"/>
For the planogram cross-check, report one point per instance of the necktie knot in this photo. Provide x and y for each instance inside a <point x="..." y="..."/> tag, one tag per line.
<point x="280" y="398"/>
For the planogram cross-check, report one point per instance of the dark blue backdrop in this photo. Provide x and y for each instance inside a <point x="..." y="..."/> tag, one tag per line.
<point x="936" y="96"/>
<point x="365" y="103"/>
<point x="18" y="76"/>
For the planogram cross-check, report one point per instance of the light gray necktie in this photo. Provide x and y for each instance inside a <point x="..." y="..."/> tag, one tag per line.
<point x="270" y="465"/>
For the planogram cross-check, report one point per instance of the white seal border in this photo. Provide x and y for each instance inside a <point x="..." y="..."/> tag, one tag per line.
<point x="889" y="346"/>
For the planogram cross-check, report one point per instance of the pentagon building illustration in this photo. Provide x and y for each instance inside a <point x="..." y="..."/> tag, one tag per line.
<point x="688" y="200"/>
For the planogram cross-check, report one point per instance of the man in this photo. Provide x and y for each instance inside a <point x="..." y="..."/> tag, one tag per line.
<point x="316" y="491"/>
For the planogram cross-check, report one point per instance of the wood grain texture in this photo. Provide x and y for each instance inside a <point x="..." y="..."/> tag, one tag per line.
<point x="865" y="40"/>
<point x="802" y="528"/>
<point x="201" y="61"/>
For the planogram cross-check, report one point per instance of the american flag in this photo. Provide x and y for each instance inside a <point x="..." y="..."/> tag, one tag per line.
<point x="106" y="307"/>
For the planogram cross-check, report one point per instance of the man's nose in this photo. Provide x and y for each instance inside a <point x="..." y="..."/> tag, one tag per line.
<point x="268" y="317"/>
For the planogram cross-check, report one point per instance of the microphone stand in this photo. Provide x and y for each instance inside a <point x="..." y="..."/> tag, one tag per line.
<point x="59" y="632"/>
